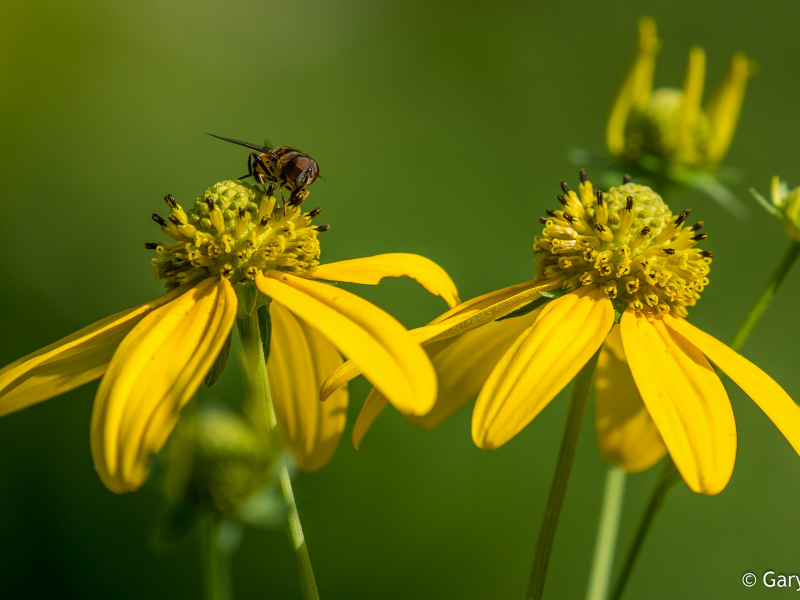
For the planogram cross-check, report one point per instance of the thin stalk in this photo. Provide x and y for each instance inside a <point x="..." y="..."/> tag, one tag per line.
<point x="216" y="563"/>
<point x="668" y="478"/>
<point x="774" y="283"/>
<point x="607" y="533"/>
<point x="257" y="369"/>
<point x="659" y="493"/>
<point x="581" y="390"/>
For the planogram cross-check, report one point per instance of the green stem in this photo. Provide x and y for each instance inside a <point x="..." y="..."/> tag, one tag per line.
<point x="667" y="479"/>
<point x="257" y="369"/>
<point x="216" y="563"/>
<point x="767" y="293"/>
<point x="558" y="488"/>
<point x="607" y="533"/>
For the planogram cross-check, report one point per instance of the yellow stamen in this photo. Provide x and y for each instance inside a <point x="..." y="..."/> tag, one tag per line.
<point x="234" y="231"/>
<point x="640" y="253"/>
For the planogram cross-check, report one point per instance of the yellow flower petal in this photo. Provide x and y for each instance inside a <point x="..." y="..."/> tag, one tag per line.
<point x="540" y="364"/>
<point x="491" y="306"/>
<point x="626" y="435"/>
<point x="636" y="88"/>
<point x="462" y="363"/>
<point x="154" y="372"/>
<point x="685" y="399"/>
<point x="725" y="105"/>
<point x="767" y="394"/>
<point x="299" y="359"/>
<point x="373" y="406"/>
<point x="71" y="361"/>
<point x="458" y="320"/>
<point x="350" y="370"/>
<point x="373" y="339"/>
<point x="692" y="99"/>
<point x="372" y="269"/>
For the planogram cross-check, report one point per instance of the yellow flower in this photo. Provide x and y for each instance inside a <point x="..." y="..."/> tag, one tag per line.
<point x="619" y="269"/>
<point x="153" y="358"/>
<point x="670" y="127"/>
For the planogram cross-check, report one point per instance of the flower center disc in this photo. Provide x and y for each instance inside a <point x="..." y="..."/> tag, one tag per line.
<point x="234" y="231"/>
<point x="626" y="241"/>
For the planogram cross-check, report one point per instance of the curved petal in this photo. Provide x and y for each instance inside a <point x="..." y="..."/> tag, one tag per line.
<point x="767" y="394"/>
<point x="373" y="339"/>
<point x="686" y="400"/>
<point x="154" y="372"/>
<point x="690" y="107"/>
<point x="372" y="269"/>
<point x="462" y="363"/>
<point x="636" y="88"/>
<point x="72" y="361"/>
<point x="350" y="370"/>
<point x="299" y="359"/>
<point x="373" y="406"/>
<point x="464" y="317"/>
<point x="540" y="364"/>
<point x="626" y="435"/>
<point x="725" y="105"/>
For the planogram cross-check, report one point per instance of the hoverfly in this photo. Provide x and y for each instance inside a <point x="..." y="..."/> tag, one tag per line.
<point x="282" y="167"/>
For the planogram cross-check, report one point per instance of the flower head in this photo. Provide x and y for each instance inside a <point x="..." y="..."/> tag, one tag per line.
<point x="235" y="251"/>
<point x="616" y="273"/>
<point x="217" y="461"/>
<point x="670" y="134"/>
<point x="672" y="126"/>
<point x="235" y="232"/>
<point x="627" y="242"/>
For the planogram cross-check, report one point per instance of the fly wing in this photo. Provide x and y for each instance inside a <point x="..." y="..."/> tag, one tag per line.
<point x="256" y="147"/>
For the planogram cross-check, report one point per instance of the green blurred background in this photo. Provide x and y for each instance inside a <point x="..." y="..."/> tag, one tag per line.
<point x="442" y="129"/>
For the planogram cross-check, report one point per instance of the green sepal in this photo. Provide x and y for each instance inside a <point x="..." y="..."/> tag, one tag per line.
<point x="619" y="308"/>
<point x="538" y="303"/>
<point x="265" y="327"/>
<point x="219" y="365"/>
<point x="768" y="206"/>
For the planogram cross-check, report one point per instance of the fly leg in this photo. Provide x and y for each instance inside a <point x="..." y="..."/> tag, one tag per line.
<point x="260" y="177"/>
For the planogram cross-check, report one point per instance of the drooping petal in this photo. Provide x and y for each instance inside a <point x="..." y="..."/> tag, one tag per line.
<point x="636" y="88"/>
<point x="464" y="317"/>
<point x="154" y="372"/>
<point x="71" y="361"/>
<point x="540" y="364"/>
<point x="685" y="399"/>
<point x="373" y="406"/>
<point x="767" y="394"/>
<point x="350" y="370"/>
<point x="299" y="359"/>
<point x="372" y="269"/>
<point x="725" y="105"/>
<point x="626" y="435"/>
<point x="462" y="363"/>
<point x="373" y="339"/>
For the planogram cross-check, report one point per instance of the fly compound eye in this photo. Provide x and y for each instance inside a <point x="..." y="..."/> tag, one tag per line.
<point x="302" y="170"/>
